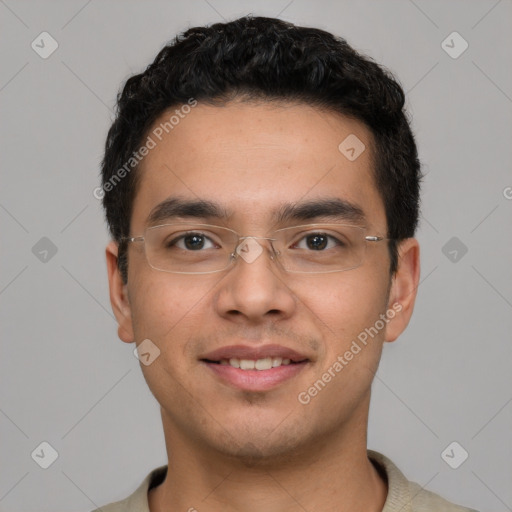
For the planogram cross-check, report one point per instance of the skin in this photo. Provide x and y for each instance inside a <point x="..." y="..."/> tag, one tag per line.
<point x="230" y="449"/>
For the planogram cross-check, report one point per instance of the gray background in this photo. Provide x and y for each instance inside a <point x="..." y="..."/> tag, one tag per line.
<point x="68" y="380"/>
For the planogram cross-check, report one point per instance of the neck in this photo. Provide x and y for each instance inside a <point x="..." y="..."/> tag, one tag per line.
<point x="333" y="475"/>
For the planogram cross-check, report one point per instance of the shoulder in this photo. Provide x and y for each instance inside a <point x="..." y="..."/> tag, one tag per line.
<point x="138" y="501"/>
<point x="427" y="501"/>
<point x="407" y="496"/>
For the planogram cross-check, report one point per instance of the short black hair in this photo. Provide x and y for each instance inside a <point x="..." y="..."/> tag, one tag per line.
<point x="268" y="59"/>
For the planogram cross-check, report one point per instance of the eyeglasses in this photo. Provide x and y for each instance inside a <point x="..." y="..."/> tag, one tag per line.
<point x="205" y="249"/>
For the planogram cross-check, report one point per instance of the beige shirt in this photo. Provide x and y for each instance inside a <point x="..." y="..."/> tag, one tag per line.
<point x="403" y="495"/>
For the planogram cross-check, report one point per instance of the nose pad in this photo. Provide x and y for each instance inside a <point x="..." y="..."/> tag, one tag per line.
<point x="249" y="249"/>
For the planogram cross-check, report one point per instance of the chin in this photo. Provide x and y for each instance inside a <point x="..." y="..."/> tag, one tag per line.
<point x="253" y="456"/>
<point x="263" y="447"/>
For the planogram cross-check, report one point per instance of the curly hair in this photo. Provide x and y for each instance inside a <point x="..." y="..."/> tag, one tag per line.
<point x="267" y="59"/>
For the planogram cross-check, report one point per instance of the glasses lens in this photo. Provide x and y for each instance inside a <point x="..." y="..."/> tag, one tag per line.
<point x="189" y="248"/>
<point x="320" y="248"/>
<point x="203" y="248"/>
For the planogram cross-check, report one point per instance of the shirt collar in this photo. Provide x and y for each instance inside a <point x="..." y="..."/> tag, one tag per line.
<point x="398" y="498"/>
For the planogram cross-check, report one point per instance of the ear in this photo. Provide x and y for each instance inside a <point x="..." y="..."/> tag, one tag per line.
<point x="119" y="295"/>
<point x="404" y="286"/>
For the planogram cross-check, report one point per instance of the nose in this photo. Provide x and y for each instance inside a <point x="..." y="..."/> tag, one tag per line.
<point x="255" y="289"/>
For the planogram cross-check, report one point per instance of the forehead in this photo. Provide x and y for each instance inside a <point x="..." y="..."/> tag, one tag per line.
<point x="255" y="158"/>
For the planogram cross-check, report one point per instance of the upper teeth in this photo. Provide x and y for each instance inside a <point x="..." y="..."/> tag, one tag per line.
<point x="259" y="364"/>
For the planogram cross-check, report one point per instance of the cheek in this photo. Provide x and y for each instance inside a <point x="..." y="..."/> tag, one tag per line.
<point x="166" y="309"/>
<point x="164" y="305"/>
<point x="346" y="304"/>
<point x="347" y="313"/>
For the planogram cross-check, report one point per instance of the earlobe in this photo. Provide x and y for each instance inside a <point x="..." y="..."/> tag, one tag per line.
<point x="118" y="295"/>
<point x="404" y="287"/>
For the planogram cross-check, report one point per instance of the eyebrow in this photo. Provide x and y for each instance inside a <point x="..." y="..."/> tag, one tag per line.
<point x="174" y="207"/>
<point x="328" y="209"/>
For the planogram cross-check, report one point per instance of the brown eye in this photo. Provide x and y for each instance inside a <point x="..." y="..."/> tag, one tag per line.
<point x="317" y="242"/>
<point x="191" y="242"/>
<point x="194" y="242"/>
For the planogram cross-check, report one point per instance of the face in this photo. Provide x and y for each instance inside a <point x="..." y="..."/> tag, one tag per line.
<point x="254" y="161"/>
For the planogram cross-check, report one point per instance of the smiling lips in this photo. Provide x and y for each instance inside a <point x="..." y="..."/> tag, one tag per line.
<point x="260" y="364"/>
<point x="255" y="369"/>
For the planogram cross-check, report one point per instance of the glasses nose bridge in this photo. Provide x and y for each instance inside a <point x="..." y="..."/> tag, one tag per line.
<point x="249" y="248"/>
<point x="246" y="237"/>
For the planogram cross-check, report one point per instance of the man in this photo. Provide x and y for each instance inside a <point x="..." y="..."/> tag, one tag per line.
<point x="261" y="185"/>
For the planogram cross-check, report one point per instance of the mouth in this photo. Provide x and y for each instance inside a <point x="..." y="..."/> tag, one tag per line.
<point x="266" y="363"/>
<point x="252" y="369"/>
